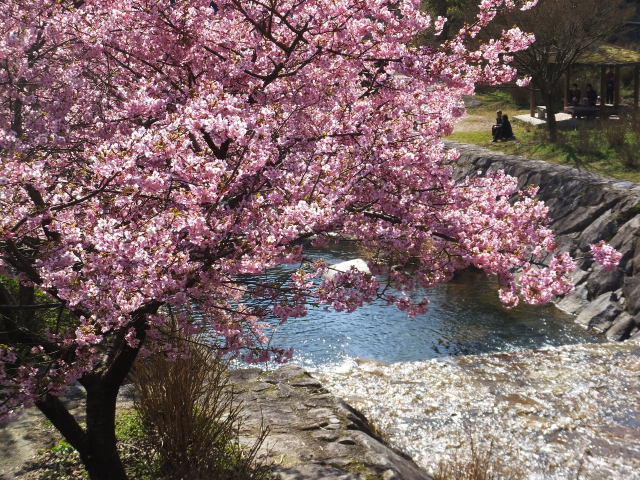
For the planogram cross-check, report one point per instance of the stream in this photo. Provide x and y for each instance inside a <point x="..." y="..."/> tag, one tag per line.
<point x="551" y="400"/>
<point x="464" y="317"/>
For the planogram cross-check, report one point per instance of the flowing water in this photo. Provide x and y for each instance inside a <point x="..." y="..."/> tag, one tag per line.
<point x="553" y="400"/>
<point x="559" y="413"/>
<point x="464" y="317"/>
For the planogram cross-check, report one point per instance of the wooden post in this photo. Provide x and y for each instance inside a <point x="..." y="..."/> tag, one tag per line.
<point x="636" y="91"/>
<point x="616" y="89"/>
<point x="603" y="93"/>
<point x="567" y="78"/>
<point x="532" y="102"/>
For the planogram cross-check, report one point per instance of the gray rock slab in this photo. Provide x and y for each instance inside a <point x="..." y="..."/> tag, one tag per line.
<point x="575" y="302"/>
<point x="631" y="290"/>
<point x="314" y="436"/>
<point x="600" y="313"/>
<point x="603" y="281"/>
<point x="307" y="471"/>
<point x="622" y="328"/>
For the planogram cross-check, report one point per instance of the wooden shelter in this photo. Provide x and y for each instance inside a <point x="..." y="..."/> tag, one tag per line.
<point x="612" y="58"/>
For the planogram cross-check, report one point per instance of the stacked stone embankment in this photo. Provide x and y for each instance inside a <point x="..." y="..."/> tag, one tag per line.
<point x="584" y="209"/>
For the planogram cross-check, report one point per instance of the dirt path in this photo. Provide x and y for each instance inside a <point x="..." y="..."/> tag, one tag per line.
<point x="475" y="122"/>
<point x="21" y="439"/>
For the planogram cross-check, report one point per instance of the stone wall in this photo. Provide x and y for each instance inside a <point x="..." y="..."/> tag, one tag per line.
<point x="584" y="208"/>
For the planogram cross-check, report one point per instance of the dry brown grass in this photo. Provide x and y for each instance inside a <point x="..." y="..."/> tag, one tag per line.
<point x="478" y="463"/>
<point x="193" y="418"/>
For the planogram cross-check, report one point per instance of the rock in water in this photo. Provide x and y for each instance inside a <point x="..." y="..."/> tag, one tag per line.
<point x="358" y="263"/>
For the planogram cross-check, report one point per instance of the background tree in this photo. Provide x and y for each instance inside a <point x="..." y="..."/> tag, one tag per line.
<point x="457" y="13"/>
<point x="564" y="29"/>
<point x="156" y="155"/>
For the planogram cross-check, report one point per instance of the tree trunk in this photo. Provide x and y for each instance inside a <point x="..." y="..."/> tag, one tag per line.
<point x="552" y="125"/>
<point x="441" y="8"/>
<point x="97" y="443"/>
<point x="103" y="461"/>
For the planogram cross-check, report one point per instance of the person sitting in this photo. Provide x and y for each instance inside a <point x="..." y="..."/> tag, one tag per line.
<point x="505" y="132"/>
<point x="592" y="95"/>
<point x="496" y="126"/>
<point x="574" y="95"/>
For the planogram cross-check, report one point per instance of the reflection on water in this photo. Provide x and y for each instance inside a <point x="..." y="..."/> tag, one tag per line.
<point x="553" y="414"/>
<point x="464" y="317"/>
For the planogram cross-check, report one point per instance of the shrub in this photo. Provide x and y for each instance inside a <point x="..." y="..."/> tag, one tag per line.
<point x="193" y="418"/>
<point x="629" y="151"/>
<point x="479" y="463"/>
<point x="615" y="133"/>
<point x="629" y="156"/>
<point x="624" y="138"/>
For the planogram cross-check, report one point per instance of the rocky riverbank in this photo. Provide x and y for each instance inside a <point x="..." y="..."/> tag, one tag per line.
<point x="313" y="435"/>
<point x="585" y="208"/>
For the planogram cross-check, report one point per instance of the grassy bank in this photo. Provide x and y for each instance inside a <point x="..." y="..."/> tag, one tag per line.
<point x="608" y="148"/>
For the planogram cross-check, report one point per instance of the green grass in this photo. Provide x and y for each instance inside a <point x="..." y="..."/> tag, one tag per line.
<point x="129" y="426"/>
<point x="493" y="100"/>
<point x="476" y="138"/>
<point x="62" y="462"/>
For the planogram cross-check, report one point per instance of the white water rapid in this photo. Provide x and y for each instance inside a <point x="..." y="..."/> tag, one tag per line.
<point x="558" y="413"/>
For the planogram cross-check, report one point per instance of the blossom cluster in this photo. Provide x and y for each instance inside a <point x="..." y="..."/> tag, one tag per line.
<point x="605" y="255"/>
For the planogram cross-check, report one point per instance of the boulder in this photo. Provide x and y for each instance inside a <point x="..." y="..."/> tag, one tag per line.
<point x="579" y="219"/>
<point x="631" y="291"/>
<point x="575" y="302"/>
<point x="635" y="261"/>
<point x="622" y="328"/>
<point x="358" y="263"/>
<point x="627" y="234"/>
<point x="602" y="281"/>
<point x="600" y="313"/>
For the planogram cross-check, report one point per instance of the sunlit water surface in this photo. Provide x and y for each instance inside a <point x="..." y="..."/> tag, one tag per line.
<point x="464" y="317"/>
<point x="566" y="411"/>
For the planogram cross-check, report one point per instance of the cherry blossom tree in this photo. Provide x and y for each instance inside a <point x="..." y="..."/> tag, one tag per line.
<point x="155" y="154"/>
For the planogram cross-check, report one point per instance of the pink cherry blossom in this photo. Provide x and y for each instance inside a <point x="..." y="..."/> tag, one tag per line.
<point x="605" y="255"/>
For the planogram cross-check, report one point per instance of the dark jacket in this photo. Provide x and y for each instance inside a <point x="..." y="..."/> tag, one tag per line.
<point x="574" y="96"/>
<point x="506" y="132"/>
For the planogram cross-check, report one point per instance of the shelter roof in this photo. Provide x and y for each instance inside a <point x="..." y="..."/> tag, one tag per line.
<point x="609" y="55"/>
